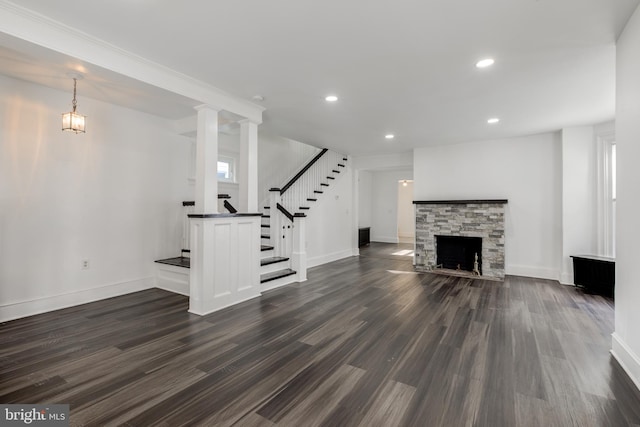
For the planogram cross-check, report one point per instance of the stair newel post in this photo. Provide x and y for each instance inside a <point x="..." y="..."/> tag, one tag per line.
<point x="299" y="252"/>
<point x="275" y="221"/>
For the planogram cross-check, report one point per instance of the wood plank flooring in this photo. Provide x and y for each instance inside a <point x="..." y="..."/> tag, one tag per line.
<point x="364" y="342"/>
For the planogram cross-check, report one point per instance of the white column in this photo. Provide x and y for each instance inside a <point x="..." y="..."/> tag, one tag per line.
<point x="206" y="196"/>
<point x="275" y="221"/>
<point x="299" y="252"/>
<point x="248" y="168"/>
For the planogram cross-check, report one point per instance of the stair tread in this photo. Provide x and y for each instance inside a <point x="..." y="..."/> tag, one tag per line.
<point x="266" y="207"/>
<point x="341" y="165"/>
<point x="312" y="200"/>
<point x="323" y="184"/>
<point x="177" y="261"/>
<point x="304" y="207"/>
<point x="330" y="177"/>
<point x="266" y="216"/>
<point x="344" y="158"/>
<point x="267" y="277"/>
<point x="265" y="225"/>
<point x="265" y="248"/>
<point x="265" y="236"/>
<point x="318" y="191"/>
<point x="335" y="171"/>
<point x="273" y="260"/>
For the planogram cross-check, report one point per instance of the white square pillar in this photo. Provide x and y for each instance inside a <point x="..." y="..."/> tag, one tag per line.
<point x="206" y="196"/>
<point x="248" y="168"/>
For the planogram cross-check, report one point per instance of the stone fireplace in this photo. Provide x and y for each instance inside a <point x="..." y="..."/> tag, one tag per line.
<point x="442" y="220"/>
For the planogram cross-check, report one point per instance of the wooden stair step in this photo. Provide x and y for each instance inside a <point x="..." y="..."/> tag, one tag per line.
<point x="265" y="236"/>
<point x="267" y="277"/>
<point x="264" y="248"/>
<point x="341" y="165"/>
<point x="179" y="261"/>
<point x="318" y="191"/>
<point x="272" y="260"/>
<point x="344" y="158"/>
<point x="323" y="184"/>
<point x="266" y="207"/>
<point x="330" y="177"/>
<point x="266" y="216"/>
<point x="304" y="208"/>
<point x="335" y="171"/>
<point x="312" y="200"/>
<point x="265" y="225"/>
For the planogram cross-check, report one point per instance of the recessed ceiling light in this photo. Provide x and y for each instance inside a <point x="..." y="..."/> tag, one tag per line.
<point x="331" y="98"/>
<point x="493" y="120"/>
<point x="484" y="63"/>
<point x="389" y="136"/>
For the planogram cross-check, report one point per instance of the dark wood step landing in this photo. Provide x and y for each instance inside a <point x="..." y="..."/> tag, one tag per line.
<point x="272" y="260"/>
<point x="268" y="277"/>
<point x="179" y="261"/>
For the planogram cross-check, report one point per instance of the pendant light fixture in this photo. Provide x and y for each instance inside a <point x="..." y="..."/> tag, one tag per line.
<point x="72" y="121"/>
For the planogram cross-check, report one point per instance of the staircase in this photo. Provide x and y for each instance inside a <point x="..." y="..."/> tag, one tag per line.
<point x="287" y="206"/>
<point x="275" y="271"/>
<point x="282" y="234"/>
<point x="185" y="253"/>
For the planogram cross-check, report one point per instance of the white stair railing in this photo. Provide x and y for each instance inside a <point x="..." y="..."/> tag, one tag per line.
<point x="310" y="186"/>
<point x="289" y="205"/>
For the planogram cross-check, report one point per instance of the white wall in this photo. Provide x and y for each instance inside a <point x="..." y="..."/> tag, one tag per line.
<point x="111" y="196"/>
<point x="626" y="339"/>
<point x="331" y="226"/>
<point x="406" y="213"/>
<point x="384" y="212"/>
<point x="579" y="196"/>
<point x="365" y="195"/>
<point x="527" y="171"/>
<point x="279" y="159"/>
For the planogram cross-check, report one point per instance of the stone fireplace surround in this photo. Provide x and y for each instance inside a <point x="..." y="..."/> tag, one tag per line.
<point x="469" y="218"/>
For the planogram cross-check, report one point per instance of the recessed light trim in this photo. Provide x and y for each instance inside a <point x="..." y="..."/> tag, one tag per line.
<point x="493" y="120"/>
<point x="484" y="63"/>
<point x="331" y="98"/>
<point x="389" y="136"/>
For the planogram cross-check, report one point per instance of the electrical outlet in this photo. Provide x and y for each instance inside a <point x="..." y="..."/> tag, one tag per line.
<point x="85" y="264"/>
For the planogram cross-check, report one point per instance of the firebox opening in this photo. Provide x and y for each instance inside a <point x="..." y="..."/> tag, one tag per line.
<point x="459" y="253"/>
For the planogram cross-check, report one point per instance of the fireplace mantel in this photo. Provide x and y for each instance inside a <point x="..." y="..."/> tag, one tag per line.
<point x="461" y="202"/>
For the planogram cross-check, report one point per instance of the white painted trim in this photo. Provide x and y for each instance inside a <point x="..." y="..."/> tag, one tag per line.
<point x="222" y="307"/>
<point x="384" y="239"/>
<point x="173" y="279"/>
<point x="41" y="30"/>
<point x="628" y="360"/>
<point x="536" y="272"/>
<point x="277" y="283"/>
<point x="326" y="258"/>
<point x="566" y="279"/>
<point x="605" y="216"/>
<point x="17" y="310"/>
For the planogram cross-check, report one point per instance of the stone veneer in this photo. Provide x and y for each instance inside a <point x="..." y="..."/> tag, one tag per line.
<point x="469" y="218"/>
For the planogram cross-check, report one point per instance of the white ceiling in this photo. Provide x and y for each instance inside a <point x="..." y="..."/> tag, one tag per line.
<point x="404" y="66"/>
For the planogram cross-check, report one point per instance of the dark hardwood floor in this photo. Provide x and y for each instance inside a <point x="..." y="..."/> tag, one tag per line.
<point x="364" y="342"/>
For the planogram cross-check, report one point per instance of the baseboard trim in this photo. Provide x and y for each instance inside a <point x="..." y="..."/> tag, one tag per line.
<point x="21" y="309"/>
<point x="626" y="358"/>
<point x="324" y="259"/>
<point x="385" y="239"/>
<point x="536" y="272"/>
